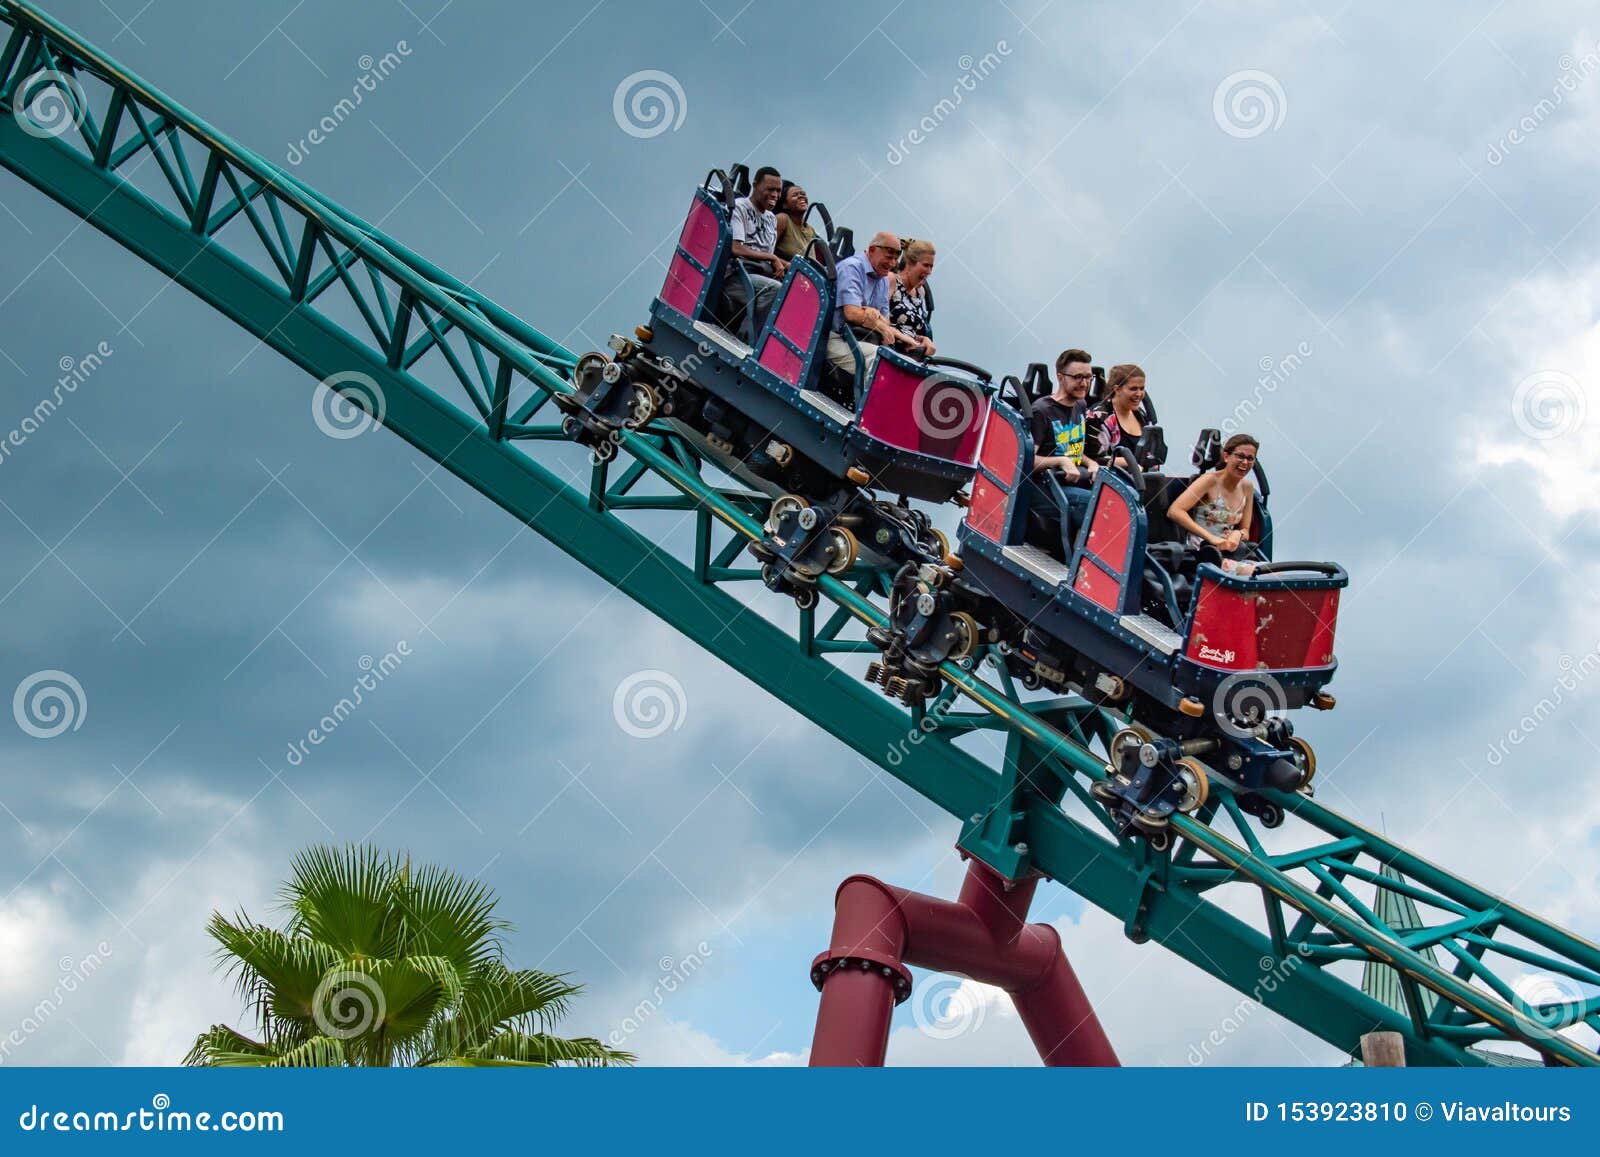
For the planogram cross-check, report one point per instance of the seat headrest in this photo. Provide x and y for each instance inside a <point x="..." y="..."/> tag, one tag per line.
<point x="1036" y="381"/>
<point x="1208" y="449"/>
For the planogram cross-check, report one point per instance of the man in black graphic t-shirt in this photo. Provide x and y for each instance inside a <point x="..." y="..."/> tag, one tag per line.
<point x="1059" y="441"/>
<point x="1059" y="421"/>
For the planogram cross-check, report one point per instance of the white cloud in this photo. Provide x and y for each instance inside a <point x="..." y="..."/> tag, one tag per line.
<point x="1548" y="412"/>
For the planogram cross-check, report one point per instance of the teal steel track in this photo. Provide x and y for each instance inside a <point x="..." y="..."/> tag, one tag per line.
<point x="469" y="385"/>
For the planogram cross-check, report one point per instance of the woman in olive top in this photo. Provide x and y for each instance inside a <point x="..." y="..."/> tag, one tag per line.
<point x="1218" y="506"/>
<point x="794" y="235"/>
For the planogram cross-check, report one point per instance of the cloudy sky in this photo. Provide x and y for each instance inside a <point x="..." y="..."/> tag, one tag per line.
<point x="1403" y="197"/>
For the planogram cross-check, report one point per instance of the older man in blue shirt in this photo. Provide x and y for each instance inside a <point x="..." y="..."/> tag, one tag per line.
<point x="861" y="301"/>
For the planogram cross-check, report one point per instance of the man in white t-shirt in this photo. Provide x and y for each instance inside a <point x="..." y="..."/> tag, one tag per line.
<point x="755" y="232"/>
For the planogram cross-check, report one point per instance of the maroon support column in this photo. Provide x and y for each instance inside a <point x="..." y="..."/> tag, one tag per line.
<point x="878" y="929"/>
<point x="861" y="976"/>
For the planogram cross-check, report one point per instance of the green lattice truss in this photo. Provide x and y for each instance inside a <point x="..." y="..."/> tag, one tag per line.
<point x="469" y="385"/>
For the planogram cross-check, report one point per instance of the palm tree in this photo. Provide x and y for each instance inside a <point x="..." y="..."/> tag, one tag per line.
<point x="382" y="965"/>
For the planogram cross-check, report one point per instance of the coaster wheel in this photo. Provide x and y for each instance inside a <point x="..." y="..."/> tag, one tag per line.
<point x="968" y="633"/>
<point x="1196" y="785"/>
<point x="1134" y="735"/>
<point x="1148" y="824"/>
<point x="1102" y="790"/>
<point x="783" y="505"/>
<point x="940" y="542"/>
<point x="644" y="405"/>
<point x="842" y="549"/>
<point x="586" y="372"/>
<point x="1306" y="758"/>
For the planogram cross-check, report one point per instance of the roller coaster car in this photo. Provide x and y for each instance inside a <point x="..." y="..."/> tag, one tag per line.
<point x="768" y="408"/>
<point x="1210" y="668"/>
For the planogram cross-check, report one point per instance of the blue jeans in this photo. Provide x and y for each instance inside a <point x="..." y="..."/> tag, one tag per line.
<point x="1061" y="524"/>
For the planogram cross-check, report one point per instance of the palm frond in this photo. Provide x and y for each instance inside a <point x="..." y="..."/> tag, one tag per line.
<point x="220" y="1041"/>
<point x="380" y="964"/>
<point x="344" y="898"/>
<point x="496" y="996"/>
<point x="276" y="974"/>
<point x="540" y="1048"/>
<point x="320" y="1052"/>
<point x="447" y="915"/>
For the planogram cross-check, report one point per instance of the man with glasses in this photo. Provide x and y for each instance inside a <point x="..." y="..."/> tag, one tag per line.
<point x="861" y="301"/>
<point x="1059" y="440"/>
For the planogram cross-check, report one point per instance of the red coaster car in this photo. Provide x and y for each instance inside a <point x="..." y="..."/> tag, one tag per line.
<point x="769" y="409"/>
<point x="1209" y="663"/>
